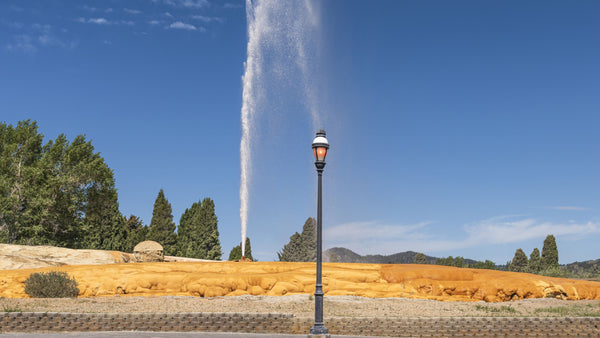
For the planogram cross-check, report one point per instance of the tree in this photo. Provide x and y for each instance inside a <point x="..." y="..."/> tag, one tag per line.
<point x="485" y="265"/>
<point x="236" y="253"/>
<point x="188" y="232"/>
<point x="61" y="194"/>
<point x="20" y="151"/>
<point x="549" y="254"/>
<point x="449" y="261"/>
<point x="301" y="247"/>
<point x="420" y="258"/>
<point x="535" y="261"/>
<point x="198" y="232"/>
<point x="137" y="232"/>
<point x="162" y="227"/>
<point x="519" y="262"/>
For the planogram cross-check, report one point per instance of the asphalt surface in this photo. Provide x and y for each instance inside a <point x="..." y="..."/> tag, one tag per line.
<point x="130" y="334"/>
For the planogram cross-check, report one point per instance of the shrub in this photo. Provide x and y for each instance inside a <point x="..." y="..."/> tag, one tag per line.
<point x="53" y="284"/>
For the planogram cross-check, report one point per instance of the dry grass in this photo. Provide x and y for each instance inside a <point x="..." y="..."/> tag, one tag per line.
<point x="303" y="306"/>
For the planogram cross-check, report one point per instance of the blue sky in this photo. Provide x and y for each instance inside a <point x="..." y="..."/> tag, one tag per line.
<point x="462" y="128"/>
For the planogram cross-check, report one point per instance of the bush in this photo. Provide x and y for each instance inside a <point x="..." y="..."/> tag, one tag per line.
<point x="53" y="284"/>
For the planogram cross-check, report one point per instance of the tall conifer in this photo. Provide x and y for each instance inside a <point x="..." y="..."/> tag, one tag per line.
<point x="162" y="227"/>
<point x="549" y="253"/>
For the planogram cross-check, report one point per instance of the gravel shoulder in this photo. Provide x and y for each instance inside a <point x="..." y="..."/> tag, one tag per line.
<point x="303" y="306"/>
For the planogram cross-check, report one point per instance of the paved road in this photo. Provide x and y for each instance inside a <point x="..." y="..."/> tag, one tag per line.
<point x="131" y="334"/>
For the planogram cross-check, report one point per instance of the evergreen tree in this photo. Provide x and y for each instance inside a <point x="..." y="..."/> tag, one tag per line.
<point x="162" y="227"/>
<point x="236" y="253"/>
<point x="519" y="262"/>
<point x="188" y="232"/>
<point x="137" y="232"/>
<point x="301" y="247"/>
<point x="210" y="246"/>
<point x="549" y="253"/>
<point x="292" y="251"/>
<point x="198" y="233"/>
<point x="49" y="194"/>
<point x="485" y="265"/>
<point x="535" y="261"/>
<point x="309" y="240"/>
<point x="420" y="258"/>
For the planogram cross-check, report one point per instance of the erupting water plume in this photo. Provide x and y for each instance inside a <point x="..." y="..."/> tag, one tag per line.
<point x="281" y="39"/>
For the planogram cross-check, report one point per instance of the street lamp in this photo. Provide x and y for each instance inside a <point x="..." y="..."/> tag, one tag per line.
<point x="320" y="147"/>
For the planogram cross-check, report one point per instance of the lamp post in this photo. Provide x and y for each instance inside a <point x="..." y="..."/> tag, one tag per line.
<point x="320" y="147"/>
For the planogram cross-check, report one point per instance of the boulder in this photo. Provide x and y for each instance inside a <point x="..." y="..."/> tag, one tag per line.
<point x="148" y="251"/>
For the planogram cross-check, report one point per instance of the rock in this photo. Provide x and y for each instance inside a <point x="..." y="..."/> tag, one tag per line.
<point x="31" y="257"/>
<point x="148" y="251"/>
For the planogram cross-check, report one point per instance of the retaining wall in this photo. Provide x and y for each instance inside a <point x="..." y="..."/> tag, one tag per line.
<point x="289" y="324"/>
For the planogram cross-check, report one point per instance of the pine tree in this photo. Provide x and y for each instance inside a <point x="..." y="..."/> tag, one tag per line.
<point x="301" y="247"/>
<point x="209" y="244"/>
<point x="137" y="232"/>
<point x="549" y="253"/>
<point x="292" y="251"/>
<point x="535" y="261"/>
<point x="519" y="262"/>
<point x="236" y="253"/>
<point x="309" y="241"/>
<point x="162" y="227"/>
<point x="188" y="232"/>
<point x="420" y="258"/>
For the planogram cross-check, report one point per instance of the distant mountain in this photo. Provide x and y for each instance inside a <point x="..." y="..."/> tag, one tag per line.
<point x="587" y="269"/>
<point x="348" y="256"/>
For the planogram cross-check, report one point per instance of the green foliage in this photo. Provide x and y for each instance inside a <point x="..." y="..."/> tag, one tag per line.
<point x="549" y="254"/>
<point x="535" y="261"/>
<point x="136" y="230"/>
<point x="301" y="247"/>
<point x="53" y="284"/>
<point x="61" y="193"/>
<point x="485" y="265"/>
<point x="236" y="253"/>
<point x="451" y="261"/>
<point x="198" y="233"/>
<point x="11" y="308"/>
<point x="420" y="258"/>
<point x="162" y="227"/>
<point x="588" y="310"/>
<point x="519" y="262"/>
<point x="555" y="272"/>
<point x="496" y="309"/>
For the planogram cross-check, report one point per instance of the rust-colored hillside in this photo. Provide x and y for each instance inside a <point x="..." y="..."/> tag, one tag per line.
<point x="210" y="279"/>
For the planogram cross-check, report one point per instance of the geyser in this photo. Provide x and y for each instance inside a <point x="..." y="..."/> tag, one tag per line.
<point x="281" y="47"/>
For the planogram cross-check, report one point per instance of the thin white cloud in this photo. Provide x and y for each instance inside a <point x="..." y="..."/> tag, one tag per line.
<point x="232" y="6"/>
<point x="188" y="3"/>
<point x="571" y="208"/>
<point x="132" y="11"/>
<point x="208" y="19"/>
<point x="154" y="22"/>
<point x="98" y="21"/>
<point x="22" y="43"/>
<point x="181" y="25"/>
<point x="376" y="238"/>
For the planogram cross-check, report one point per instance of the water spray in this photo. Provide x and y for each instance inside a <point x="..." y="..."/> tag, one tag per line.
<point x="278" y="31"/>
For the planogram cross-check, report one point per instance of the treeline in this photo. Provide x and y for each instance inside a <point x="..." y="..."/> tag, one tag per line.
<point x="63" y="194"/>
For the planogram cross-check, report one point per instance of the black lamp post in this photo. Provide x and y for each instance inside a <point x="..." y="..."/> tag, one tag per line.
<point x="320" y="147"/>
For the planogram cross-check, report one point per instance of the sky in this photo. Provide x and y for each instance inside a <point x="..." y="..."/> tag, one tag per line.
<point x="463" y="128"/>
